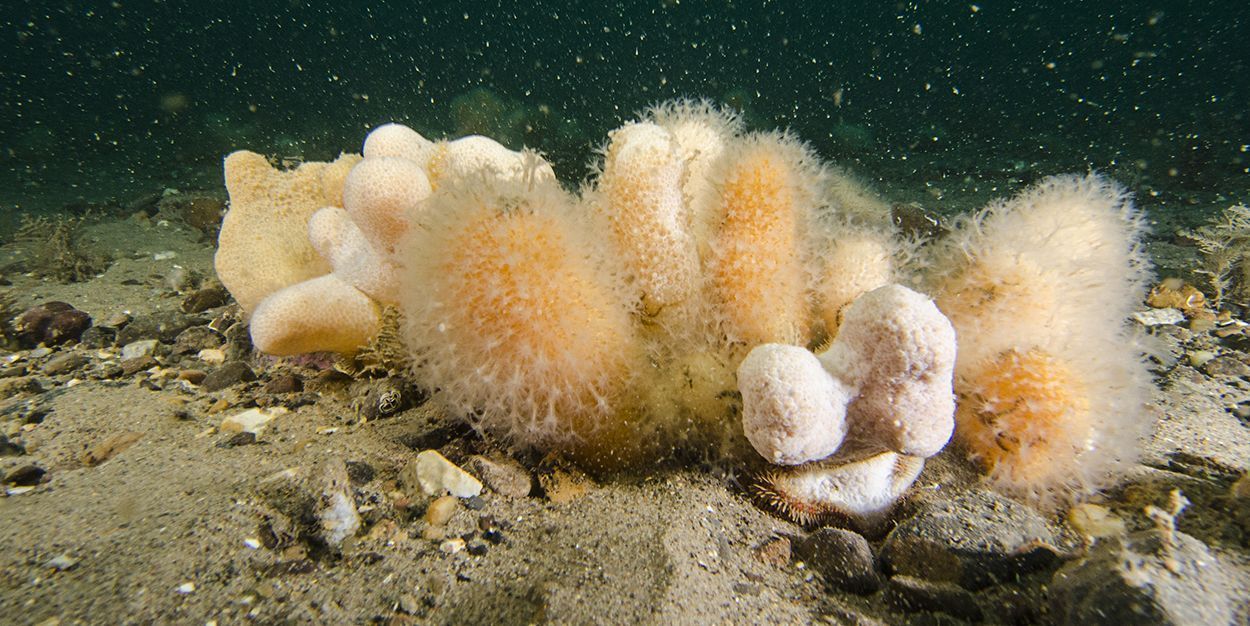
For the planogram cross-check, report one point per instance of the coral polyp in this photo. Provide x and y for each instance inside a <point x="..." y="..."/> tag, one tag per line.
<point x="513" y="316"/>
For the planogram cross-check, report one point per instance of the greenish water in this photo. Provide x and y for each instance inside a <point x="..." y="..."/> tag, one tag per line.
<point x="943" y="103"/>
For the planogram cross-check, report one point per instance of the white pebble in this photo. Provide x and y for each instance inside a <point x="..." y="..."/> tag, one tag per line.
<point x="437" y="475"/>
<point x="185" y="588"/>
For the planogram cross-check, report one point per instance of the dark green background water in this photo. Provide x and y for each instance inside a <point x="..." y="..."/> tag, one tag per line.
<point x="104" y="99"/>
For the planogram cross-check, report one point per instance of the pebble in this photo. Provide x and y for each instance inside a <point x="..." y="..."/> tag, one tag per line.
<point x="50" y="323"/>
<point x="8" y="448"/>
<point x="138" y="364"/>
<point x="63" y="363"/>
<point x="236" y="440"/>
<point x="440" y="510"/>
<point x="1154" y="577"/>
<point x="25" y="476"/>
<point x="336" y="509"/>
<point x="1158" y="317"/>
<point x="436" y="475"/>
<point x="913" y="595"/>
<point x="98" y="337"/>
<point x="227" y="374"/>
<point x="212" y="356"/>
<point x="162" y="325"/>
<point x="1225" y="367"/>
<point x="775" y="551"/>
<point x="196" y="338"/>
<point x="203" y="299"/>
<point x="194" y="377"/>
<point x="284" y="383"/>
<point x="62" y="562"/>
<point x="252" y="420"/>
<point x="109" y="448"/>
<point x="503" y="475"/>
<point x="140" y="348"/>
<point x="843" y="558"/>
<point x="452" y="546"/>
<point x="975" y="540"/>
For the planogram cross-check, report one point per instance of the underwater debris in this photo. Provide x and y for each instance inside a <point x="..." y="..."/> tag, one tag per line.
<point x="1225" y="247"/>
<point x="58" y="249"/>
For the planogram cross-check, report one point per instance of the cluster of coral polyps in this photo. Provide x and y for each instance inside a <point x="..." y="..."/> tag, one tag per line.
<point x="675" y="302"/>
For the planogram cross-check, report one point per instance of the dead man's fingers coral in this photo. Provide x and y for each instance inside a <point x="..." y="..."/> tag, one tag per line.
<point x="793" y="411"/>
<point x="321" y="314"/>
<point x="1051" y="383"/>
<point x="897" y="350"/>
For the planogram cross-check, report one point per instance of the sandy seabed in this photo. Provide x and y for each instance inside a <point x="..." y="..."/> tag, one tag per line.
<point x="148" y="513"/>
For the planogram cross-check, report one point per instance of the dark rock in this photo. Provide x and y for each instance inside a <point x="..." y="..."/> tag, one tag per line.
<point x="20" y="384"/>
<point x="63" y="363"/>
<point x="194" y="339"/>
<point x="842" y="557"/>
<point x="65" y="327"/>
<point x="477" y="549"/>
<point x="50" y="323"/>
<point x="238" y="439"/>
<point x="8" y="448"/>
<point x="913" y="595"/>
<point x="14" y="371"/>
<point x="201" y="300"/>
<point x="98" y="337"/>
<point x="975" y="540"/>
<point x="284" y="383"/>
<point x="227" y="374"/>
<point x="474" y="503"/>
<point x="162" y="325"/>
<point x="359" y="472"/>
<point x="1225" y="367"/>
<point x="1153" y="577"/>
<point x="25" y="476"/>
<point x="133" y="366"/>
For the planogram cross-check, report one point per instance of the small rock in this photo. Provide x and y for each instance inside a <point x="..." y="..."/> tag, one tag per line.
<point x="226" y="375"/>
<point x="237" y="439"/>
<point x="1225" y="367"/>
<point x="913" y="595"/>
<point x="25" y="476"/>
<point x="161" y="325"/>
<point x="503" y="475"/>
<point x="98" y="337"/>
<point x="775" y="551"/>
<point x="194" y="339"/>
<point x="1157" y="317"/>
<point x="440" y="510"/>
<point x="842" y="557"/>
<point x="62" y="562"/>
<point x="1153" y="577"/>
<point x="185" y="588"/>
<point x="284" y="383"/>
<point x="64" y="363"/>
<point x="109" y="448"/>
<point x="436" y="475"/>
<point x="975" y="540"/>
<point x="8" y="448"/>
<point x="203" y="299"/>
<point x="194" y="377"/>
<point x="141" y="348"/>
<point x="452" y="546"/>
<point x="138" y="364"/>
<point x="252" y="420"/>
<point x="478" y="549"/>
<point x="336" y="509"/>
<point x="212" y="356"/>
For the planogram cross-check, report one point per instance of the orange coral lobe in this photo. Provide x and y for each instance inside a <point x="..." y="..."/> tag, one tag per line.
<point x="1026" y="417"/>
<point x="758" y="273"/>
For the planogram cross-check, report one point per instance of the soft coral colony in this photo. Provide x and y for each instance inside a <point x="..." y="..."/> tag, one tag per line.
<point x="712" y="290"/>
